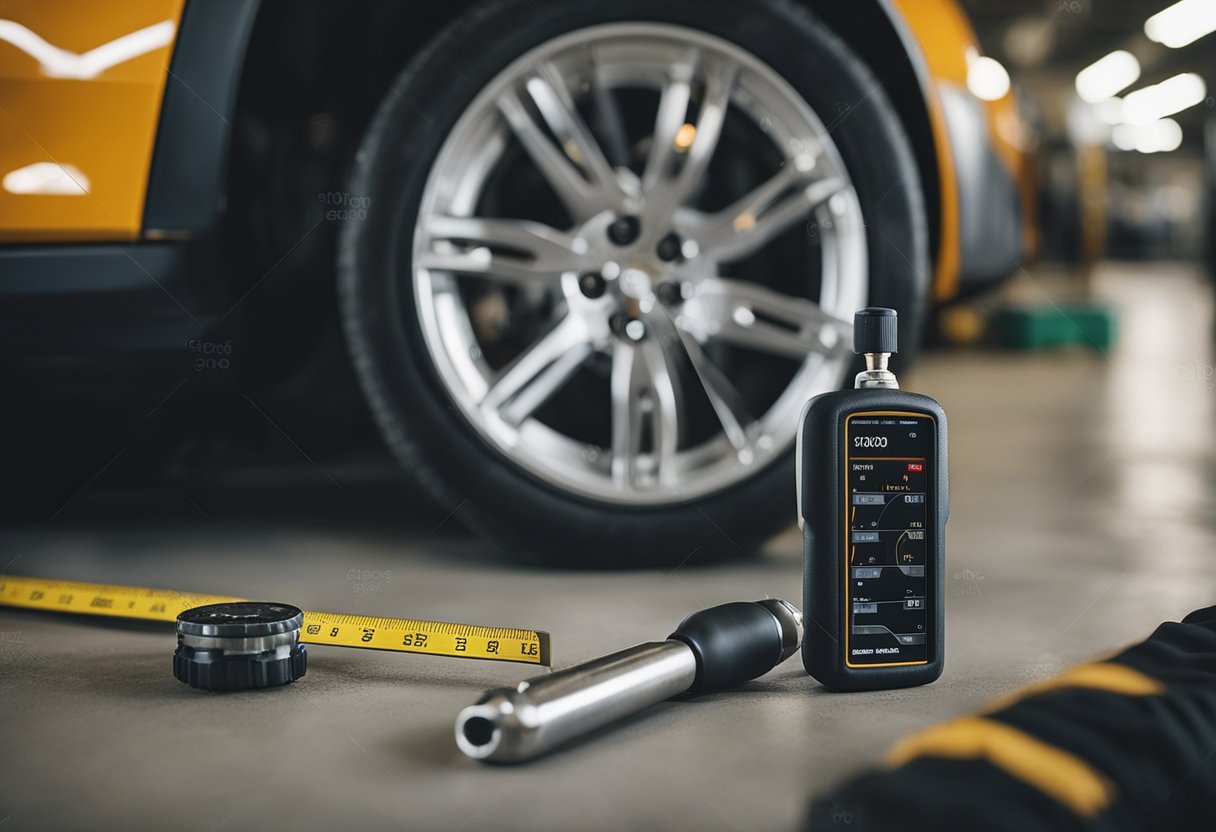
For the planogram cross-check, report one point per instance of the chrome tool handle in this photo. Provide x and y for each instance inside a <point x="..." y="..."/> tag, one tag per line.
<point x="515" y="724"/>
<point x="714" y="649"/>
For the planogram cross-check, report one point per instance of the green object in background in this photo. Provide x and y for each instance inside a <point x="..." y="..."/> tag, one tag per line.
<point x="1045" y="327"/>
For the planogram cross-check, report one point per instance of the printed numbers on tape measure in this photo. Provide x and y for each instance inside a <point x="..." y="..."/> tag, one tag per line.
<point x="435" y="639"/>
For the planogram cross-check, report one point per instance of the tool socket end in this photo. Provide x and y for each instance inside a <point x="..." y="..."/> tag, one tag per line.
<point x="479" y="730"/>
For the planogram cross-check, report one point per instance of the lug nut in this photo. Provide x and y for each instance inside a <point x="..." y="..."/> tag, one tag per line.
<point x="624" y="230"/>
<point x="627" y="327"/>
<point x="669" y="247"/>
<point x="592" y="285"/>
<point x="669" y="293"/>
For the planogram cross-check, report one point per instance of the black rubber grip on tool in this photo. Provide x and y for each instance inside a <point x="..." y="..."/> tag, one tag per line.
<point x="733" y="643"/>
<point x="875" y="329"/>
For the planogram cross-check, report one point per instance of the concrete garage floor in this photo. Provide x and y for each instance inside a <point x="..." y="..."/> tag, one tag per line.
<point x="1082" y="517"/>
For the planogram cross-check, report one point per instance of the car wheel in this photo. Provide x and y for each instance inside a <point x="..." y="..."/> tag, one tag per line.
<point x="610" y="249"/>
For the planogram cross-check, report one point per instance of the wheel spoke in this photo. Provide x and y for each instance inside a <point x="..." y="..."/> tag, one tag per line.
<point x="718" y="88"/>
<point x="753" y="221"/>
<point x="666" y="418"/>
<point x="577" y="165"/>
<point x="672" y="115"/>
<point x="665" y="193"/>
<point x="512" y="250"/>
<point x="539" y="372"/>
<point x="626" y="415"/>
<point x="571" y="188"/>
<point x="552" y="97"/>
<point x="608" y="111"/>
<point x="736" y="420"/>
<point x="644" y="395"/>
<point x="753" y="316"/>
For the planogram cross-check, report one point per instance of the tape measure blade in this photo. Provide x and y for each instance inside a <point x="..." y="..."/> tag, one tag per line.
<point x="433" y="638"/>
<point x="100" y="599"/>
<point x="546" y="657"/>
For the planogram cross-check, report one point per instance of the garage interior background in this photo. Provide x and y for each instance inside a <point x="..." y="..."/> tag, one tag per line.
<point x="1081" y="394"/>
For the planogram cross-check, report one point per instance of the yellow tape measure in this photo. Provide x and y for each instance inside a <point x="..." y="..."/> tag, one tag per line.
<point x="401" y="635"/>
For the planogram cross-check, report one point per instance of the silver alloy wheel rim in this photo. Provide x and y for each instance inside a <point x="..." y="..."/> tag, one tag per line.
<point x="532" y="100"/>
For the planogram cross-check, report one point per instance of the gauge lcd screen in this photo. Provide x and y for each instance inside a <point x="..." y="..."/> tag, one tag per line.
<point x="889" y="499"/>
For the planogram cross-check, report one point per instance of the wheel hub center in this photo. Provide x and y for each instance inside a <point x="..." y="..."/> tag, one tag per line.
<point x="632" y="273"/>
<point x="636" y="284"/>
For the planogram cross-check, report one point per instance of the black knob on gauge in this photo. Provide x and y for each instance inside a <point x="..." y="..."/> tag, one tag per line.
<point x="875" y="330"/>
<point x="239" y="645"/>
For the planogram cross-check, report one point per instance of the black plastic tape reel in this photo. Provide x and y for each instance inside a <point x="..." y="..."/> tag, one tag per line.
<point x="239" y="646"/>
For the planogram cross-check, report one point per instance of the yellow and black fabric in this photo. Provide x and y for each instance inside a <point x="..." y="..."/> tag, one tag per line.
<point x="1127" y="743"/>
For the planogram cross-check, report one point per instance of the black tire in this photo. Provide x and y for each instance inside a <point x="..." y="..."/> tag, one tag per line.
<point x="521" y="514"/>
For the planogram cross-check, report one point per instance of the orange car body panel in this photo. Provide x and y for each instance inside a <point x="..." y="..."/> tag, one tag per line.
<point x="81" y="84"/>
<point x="949" y="46"/>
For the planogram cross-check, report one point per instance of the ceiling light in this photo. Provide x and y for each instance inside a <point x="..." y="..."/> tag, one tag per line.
<point x="1107" y="76"/>
<point x="1161" y="136"/>
<point x="987" y="79"/>
<point x="1123" y="136"/>
<point x="1170" y="96"/>
<point x="1110" y="111"/>
<point x="1182" y="23"/>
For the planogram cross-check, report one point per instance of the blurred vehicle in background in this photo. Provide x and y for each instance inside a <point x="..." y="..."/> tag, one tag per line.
<point x="590" y="258"/>
<point x="1124" y="93"/>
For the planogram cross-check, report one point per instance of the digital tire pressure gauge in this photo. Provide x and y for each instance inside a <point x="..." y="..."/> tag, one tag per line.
<point x="872" y="504"/>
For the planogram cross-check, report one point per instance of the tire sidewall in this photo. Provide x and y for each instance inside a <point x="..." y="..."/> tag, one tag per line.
<point x="427" y="431"/>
